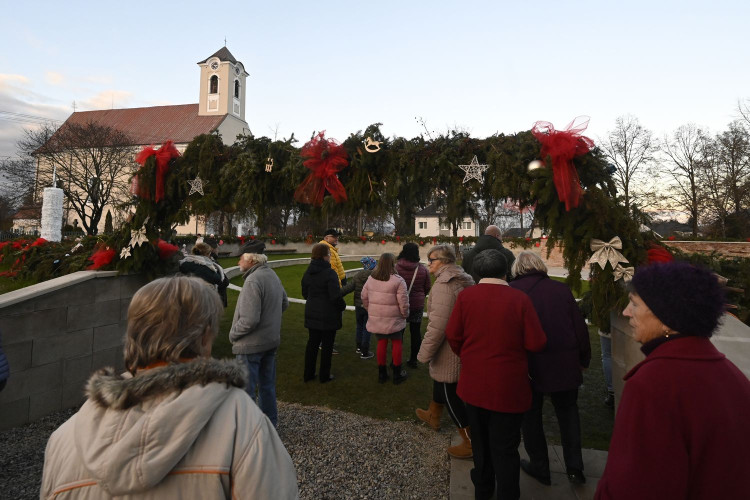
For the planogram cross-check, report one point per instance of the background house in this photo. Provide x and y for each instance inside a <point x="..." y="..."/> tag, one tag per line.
<point x="220" y="109"/>
<point x="432" y="222"/>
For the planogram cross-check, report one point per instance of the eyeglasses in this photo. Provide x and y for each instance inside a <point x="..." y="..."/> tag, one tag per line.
<point x="430" y="260"/>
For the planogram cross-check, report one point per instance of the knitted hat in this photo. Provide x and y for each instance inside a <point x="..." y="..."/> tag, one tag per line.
<point x="368" y="262"/>
<point x="253" y="246"/>
<point x="687" y="299"/>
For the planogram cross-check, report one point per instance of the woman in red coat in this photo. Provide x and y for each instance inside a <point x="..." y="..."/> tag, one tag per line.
<point x="683" y="424"/>
<point x="491" y="328"/>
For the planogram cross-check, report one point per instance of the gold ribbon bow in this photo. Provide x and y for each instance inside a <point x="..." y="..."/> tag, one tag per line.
<point x="607" y="252"/>
<point x="624" y="273"/>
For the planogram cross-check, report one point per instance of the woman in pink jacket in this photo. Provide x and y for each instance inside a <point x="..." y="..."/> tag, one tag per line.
<point x="386" y="299"/>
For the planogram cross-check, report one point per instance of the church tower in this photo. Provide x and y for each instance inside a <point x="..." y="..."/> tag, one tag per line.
<point x="222" y="90"/>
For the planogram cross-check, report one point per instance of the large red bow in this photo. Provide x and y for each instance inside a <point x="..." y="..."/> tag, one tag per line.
<point x="164" y="155"/>
<point x="562" y="146"/>
<point x="325" y="157"/>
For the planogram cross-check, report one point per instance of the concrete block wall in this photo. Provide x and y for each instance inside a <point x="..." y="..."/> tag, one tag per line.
<point x="55" y="335"/>
<point x="731" y="339"/>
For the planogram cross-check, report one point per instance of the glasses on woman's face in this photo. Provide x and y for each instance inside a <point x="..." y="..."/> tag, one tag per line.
<point x="430" y="260"/>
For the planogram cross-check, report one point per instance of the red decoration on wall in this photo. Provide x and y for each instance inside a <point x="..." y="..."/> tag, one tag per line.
<point x="562" y="146"/>
<point x="461" y="239"/>
<point x="165" y="249"/>
<point x="164" y="155"/>
<point x="101" y="258"/>
<point x="382" y="241"/>
<point x="325" y="158"/>
<point x="398" y="238"/>
<point x="537" y="244"/>
<point x="273" y="242"/>
<point x="421" y="243"/>
<point x="671" y="238"/>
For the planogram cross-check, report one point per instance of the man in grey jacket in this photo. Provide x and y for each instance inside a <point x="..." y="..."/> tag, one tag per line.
<point x="256" y="327"/>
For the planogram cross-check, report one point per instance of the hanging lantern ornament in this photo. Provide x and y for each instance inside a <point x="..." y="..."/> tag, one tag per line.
<point x="196" y="185"/>
<point x="269" y="164"/>
<point x="474" y="170"/>
<point x="562" y="146"/>
<point x="372" y="146"/>
<point x="535" y="165"/>
<point x="325" y="158"/>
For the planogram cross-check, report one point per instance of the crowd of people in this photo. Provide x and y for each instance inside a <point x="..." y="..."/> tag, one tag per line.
<point x="180" y="424"/>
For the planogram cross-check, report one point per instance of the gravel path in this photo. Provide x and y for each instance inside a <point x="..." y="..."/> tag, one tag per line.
<point x="337" y="455"/>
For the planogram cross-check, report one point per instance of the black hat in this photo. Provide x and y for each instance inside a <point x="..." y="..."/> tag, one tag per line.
<point x="253" y="246"/>
<point x="685" y="298"/>
<point x="332" y="232"/>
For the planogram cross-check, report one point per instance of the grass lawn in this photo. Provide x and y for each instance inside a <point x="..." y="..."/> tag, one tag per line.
<point x="356" y="388"/>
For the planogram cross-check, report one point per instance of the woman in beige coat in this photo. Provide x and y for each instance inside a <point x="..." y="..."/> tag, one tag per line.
<point x="179" y="424"/>
<point x="445" y="366"/>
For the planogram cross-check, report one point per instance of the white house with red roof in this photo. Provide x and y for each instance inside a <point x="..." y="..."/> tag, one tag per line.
<point x="220" y="108"/>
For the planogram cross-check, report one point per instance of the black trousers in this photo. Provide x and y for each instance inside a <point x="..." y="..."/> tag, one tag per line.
<point x="317" y="339"/>
<point x="415" y="332"/>
<point x="445" y="394"/>
<point x="566" y="408"/>
<point x="495" y="437"/>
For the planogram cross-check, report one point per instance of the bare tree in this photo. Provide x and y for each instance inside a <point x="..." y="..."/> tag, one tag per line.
<point x="631" y="149"/>
<point x="733" y="150"/>
<point x="92" y="163"/>
<point x="684" y="153"/>
<point x="714" y="193"/>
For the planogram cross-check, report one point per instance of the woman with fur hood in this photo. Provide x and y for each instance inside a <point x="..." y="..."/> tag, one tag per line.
<point x="178" y="424"/>
<point x="201" y="265"/>
<point x="445" y="366"/>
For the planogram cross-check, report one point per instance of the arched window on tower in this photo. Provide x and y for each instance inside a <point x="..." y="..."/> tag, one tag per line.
<point x="236" y="89"/>
<point x="214" y="87"/>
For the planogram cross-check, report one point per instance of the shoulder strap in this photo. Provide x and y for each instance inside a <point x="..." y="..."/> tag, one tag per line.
<point x="416" y="271"/>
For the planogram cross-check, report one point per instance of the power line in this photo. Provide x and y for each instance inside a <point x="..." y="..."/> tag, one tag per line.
<point x="12" y="116"/>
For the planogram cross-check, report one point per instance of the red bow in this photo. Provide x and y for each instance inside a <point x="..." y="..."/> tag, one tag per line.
<point x="563" y="146"/>
<point x="101" y="258"/>
<point x="325" y="157"/>
<point x="164" y="155"/>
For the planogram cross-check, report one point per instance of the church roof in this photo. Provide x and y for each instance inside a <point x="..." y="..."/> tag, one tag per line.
<point x="153" y="125"/>
<point x="223" y="54"/>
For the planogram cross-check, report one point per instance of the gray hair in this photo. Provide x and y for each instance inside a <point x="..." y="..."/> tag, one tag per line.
<point x="444" y="252"/>
<point x="527" y="262"/>
<point x="171" y="318"/>
<point x="258" y="258"/>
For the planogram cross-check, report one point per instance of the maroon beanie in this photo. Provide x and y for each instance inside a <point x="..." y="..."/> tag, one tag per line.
<point x="687" y="299"/>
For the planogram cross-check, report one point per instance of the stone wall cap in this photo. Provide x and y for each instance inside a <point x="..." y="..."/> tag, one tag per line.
<point x="45" y="287"/>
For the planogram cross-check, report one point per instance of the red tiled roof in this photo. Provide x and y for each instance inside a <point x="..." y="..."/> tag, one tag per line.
<point x="153" y="125"/>
<point x="28" y="213"/>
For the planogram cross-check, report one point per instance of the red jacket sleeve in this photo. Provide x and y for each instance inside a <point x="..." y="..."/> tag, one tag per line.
<point x="454" y="330"/>
<point x="534" y="338"/>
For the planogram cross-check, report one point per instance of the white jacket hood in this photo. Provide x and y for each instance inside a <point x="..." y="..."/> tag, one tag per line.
<point x="165" y="410"/>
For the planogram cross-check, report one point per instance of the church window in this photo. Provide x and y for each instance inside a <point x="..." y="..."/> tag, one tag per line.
<point x="214" y="88"/>
<point x="236" y="89"/>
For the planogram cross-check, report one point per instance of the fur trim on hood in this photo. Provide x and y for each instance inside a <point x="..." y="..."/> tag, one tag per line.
<point x="120" y="392"/>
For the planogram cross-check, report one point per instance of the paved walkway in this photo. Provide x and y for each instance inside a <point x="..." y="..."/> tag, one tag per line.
<point x="531" y="489"/>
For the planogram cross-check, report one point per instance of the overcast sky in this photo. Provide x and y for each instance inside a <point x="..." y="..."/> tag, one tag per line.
<point x="485" y="67"/>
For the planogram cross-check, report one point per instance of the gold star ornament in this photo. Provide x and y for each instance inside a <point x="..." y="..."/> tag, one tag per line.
<point x="474" y="170"/>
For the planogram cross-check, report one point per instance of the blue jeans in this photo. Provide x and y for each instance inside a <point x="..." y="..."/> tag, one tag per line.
<point x="606" y="343"/>
<point x="363" y="336"/>
<point x="262" y="380"/>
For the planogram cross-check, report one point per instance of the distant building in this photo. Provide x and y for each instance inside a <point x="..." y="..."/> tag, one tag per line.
<point x="432" y="222"/>
<point x="665" y="229"/>
<point x="27" y="220"/>
<point x="221" y="108"/>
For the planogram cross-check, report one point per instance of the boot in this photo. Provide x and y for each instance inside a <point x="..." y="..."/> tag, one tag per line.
<point x="431" y="416"/>
<point x="382" y="374"/>
<point x="399" y="375"/>
<point x="462" y="450"/>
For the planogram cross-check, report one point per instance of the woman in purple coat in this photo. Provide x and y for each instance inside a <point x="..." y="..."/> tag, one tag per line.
<point x="556" y="370"/>
<point x="418" y="283"/>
